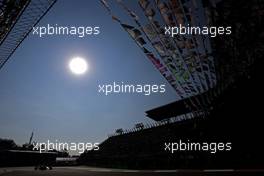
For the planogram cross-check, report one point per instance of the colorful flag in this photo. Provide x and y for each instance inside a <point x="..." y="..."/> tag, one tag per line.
<point x="135" y="33"/>
<point x="150" y="32"/>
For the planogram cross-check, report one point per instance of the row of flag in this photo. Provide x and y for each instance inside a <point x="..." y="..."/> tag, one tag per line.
<point x="185" y="61"/>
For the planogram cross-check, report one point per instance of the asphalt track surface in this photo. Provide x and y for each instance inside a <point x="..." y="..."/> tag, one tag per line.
<point x="90" y="171"/>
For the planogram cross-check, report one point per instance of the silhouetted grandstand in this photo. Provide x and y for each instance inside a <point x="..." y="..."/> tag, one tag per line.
<point x="228" y="112"/>
<point x="233" y="121"/>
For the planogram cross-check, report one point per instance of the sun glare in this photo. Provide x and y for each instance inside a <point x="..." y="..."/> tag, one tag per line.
<point x="78" y="65"/>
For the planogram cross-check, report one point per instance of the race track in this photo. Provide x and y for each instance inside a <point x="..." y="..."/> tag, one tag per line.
<point x="90" y="171"/>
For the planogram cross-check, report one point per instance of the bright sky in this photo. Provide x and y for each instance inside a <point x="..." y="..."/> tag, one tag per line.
<point x="38" y="91"/>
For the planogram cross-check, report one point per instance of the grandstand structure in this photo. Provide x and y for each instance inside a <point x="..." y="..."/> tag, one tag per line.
<point x="216" y="79"/>
<point x="17" y="18"/>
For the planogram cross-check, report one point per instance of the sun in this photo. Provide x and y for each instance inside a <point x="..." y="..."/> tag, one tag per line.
<point x="78" y="65"/>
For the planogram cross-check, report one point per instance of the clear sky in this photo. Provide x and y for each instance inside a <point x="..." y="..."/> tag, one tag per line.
<point x="38" y="92"/>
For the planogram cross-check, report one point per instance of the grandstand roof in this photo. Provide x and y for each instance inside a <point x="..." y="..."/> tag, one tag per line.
<point x="169" y="110"/>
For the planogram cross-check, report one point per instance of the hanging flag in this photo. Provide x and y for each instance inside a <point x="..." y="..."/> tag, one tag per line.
<point x="150" y="13"/>
<point x="154" y="60"/>
<point x="164" y="10"/>
<point x="130" y="12"/>
<point x="144" y="4"/>
<point x="145" y="50"/>
<point x="135" y="33"/>
<point x="163" y="70"/>
<point x="105" y="4"/>
<point x="159" y="47"/>
<point x="127" y="27"/>
<point x="133" y="15"/>
<point x="150" y="32"/>
<point x="166" y="13"/>
<point x="170" y="78"/>
<point x="137" y="37"/>
<point x="115" y="19"/>
<point x="141" y="41"/>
